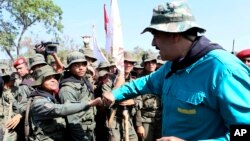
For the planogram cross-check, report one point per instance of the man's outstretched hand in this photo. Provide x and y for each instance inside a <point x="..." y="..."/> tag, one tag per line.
<point x="96" y="102"/>
<point x="108" y="99"/>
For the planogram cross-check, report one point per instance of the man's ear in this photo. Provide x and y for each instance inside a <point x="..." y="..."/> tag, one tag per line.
<point x="176" y="37"/>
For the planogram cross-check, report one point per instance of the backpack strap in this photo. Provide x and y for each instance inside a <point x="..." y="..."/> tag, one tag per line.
<point x="27" y="121"/>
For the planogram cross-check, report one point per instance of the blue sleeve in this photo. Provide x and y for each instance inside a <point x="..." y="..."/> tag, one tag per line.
<point x="233" y="91"/>
<point x="148" y="84"/>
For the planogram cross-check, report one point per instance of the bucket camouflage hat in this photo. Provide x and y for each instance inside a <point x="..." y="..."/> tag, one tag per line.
<point x="9" y="76"/>
<point x="37" y="59"/>
<point x="89" y="53"/>
<point x="40" y="74"/>
<point x="102" y="73"/>
<point x="112" y="63"/>
<point x="138" y="65"/>
<point x="5" y="76"/>
<point x="103" y="64"/>
<point x="173" y="17"/>
<point x="160" y="61"/>
<point x="129" y="57"/>
<point x="149" y="57"/>
<point x="75" y="57"/>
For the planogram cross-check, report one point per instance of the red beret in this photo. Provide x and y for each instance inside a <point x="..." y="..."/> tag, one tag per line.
<point x="19" y="61"/>
<point x="243" y="54"/>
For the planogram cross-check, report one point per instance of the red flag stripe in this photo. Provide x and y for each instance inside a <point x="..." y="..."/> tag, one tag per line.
<point x="106" y="20"/>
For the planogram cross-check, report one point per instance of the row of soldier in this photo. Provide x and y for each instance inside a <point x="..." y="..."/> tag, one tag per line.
<point x="62" y="102"/>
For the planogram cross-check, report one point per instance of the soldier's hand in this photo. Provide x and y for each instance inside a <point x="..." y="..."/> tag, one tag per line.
<point x="40" y="49"/>
<point x="96" y="102"/>
<point x="127" y="102"/>
<point x="170" y="138"/>
<point x="108" y="99"/>
<point x="141" y="131"/>
<point x="13" y="122"/>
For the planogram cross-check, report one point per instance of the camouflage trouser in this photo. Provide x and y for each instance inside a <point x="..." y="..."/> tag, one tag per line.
<point x="152" y="131"/>
<point x="117" y="131"/>
<point x="10" y="136"/>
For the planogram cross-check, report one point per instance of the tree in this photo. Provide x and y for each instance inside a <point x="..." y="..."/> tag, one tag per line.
<point x="23" y="15"/>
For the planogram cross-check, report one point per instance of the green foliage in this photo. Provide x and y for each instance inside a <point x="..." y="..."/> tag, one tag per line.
<point x="23" y="15"/>
<point x="27" y="12"/>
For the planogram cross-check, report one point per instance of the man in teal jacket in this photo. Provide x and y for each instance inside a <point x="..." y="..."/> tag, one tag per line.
<point x="204" y="89"/>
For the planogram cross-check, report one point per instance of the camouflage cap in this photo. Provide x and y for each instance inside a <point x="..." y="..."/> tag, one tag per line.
<point x="160" y="61"/>
<point x="138" y="65"/>
<point x="41" y="73"/>
<point x="103" y="64"/>
<point x="102" y="73"/>
<point x="5" y="76"/>
<point x="9" y="76"/>
<point x="149" y="57"/>
<point x="173" y="17"/>
<point x="89" y="53"/>
<point x="75" y="57"/>
<point x="37" y="59"/>
<point x="129" y="57"/>
<point x="112" y="63"/>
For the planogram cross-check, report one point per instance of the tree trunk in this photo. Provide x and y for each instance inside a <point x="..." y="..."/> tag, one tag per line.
<point x="9" y="54"/>
<point x="19" y="41"/>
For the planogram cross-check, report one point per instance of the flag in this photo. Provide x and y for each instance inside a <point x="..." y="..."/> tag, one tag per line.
<point x="114" y="38"/>
<point x="106" y="20"/>
<point x="97" y="51"/>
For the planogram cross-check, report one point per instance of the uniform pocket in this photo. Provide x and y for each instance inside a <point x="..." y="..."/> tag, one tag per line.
<point x="189" y="105"/>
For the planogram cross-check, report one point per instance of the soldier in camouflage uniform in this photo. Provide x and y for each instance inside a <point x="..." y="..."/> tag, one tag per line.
<point x="116" y="121"/>
<point x="148" y="118"/>
<point x="113" y="69"/>
<point x="37" y="61"/>
<point x="8" y="107"/>
<point x="45" y="112"/>
<point x="138" y="68"/>
<point x="101" y="129"/>
<point x="75" y="87"/>
<point x="23" y="91"/>
<point x="103" y="66"/>
<point x="89" y="55"/>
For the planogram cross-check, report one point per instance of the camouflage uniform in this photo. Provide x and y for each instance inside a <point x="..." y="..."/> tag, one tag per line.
<point x="101" y="129"/>
<point x="117" y="127"/>
<point x="149" y="115"/>
<point x="24" y="90"/>
<point x="81" y="125"/>
<point x="88" y="53"/>
<point x="45" y="112"/>
<point x="7" y="106"/>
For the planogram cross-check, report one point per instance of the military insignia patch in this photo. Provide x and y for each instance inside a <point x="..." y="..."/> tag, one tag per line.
<point x="48" y="105"/>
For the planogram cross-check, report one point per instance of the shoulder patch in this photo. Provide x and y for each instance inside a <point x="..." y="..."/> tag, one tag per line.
<point x="48" y="105"/>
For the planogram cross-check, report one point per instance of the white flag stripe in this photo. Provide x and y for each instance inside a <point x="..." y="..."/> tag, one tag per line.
<point x="115" y="37"/>
<point x="97" y="51"/>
